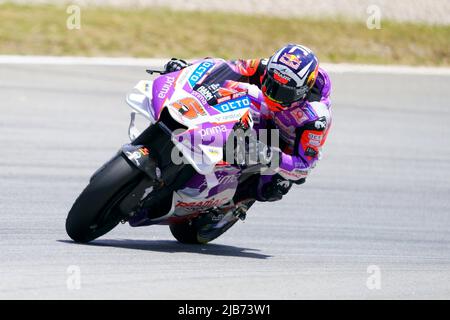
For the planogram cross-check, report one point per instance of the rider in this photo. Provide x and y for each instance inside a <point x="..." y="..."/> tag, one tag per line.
<point x="296" y="94"/>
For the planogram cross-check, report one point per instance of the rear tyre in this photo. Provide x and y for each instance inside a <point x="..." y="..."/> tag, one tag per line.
<point x="96" y="210"/>
<point x="197" y="231"/>
<point x="185" y="232"/>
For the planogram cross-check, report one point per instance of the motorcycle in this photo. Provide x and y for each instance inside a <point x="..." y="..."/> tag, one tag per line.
<point x="174" y="172"/>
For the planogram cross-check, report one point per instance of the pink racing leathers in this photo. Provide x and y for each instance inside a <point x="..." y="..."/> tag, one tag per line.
<point x="303" y="127"/>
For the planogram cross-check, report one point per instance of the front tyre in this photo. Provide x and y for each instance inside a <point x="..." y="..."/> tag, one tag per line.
<point x="198" y="231"/>
<point x="96" y="210"/>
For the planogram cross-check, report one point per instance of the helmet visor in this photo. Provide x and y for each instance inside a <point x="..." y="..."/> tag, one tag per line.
<point x="283" y="94"/>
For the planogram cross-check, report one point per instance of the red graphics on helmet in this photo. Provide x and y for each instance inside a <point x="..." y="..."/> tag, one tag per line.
<point x="290" y="60"/>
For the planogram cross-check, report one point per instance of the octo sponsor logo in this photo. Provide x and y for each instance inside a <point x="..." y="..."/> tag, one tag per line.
<point x="199" y="72"/>
<point x="236" y="104"/>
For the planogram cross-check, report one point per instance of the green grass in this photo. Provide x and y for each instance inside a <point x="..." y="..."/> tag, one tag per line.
<point x="112" y="32"/>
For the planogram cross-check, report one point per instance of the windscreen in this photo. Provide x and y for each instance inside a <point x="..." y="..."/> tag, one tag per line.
<point x="219" y="75"/>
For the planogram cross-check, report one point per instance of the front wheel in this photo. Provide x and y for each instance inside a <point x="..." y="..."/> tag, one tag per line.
<point x="96" y="210"/>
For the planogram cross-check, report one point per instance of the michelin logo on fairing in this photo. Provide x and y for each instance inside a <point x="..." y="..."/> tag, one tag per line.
<point x="231" y="105"/>
<point x="199" y="72"/>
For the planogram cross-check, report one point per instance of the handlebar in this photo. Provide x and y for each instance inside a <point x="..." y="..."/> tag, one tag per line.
<point x="152" y="71"/>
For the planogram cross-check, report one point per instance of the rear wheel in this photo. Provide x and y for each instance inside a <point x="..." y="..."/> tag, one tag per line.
<point x="96" y="210"/>
<point x="185" y="232"/>
<point x="210" y="226"/>
<point x="199" y="230"/>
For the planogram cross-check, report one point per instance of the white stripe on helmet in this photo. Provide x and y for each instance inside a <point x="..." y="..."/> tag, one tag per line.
<point x="305" y="50"/>
<point x="276" y="55"/>
<point x="303" y="72"/>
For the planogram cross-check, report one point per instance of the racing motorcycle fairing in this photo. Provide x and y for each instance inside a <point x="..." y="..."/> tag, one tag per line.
<point x="203" y="99"/>
<point x="140" y="99"/>
<point x="202" y="103"/>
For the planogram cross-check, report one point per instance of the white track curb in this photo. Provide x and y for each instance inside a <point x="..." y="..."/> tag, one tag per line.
<point x="124" y="61"/>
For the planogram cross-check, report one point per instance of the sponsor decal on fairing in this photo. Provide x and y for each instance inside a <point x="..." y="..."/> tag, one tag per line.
<point x="200" y="97"/>
<point x="201" y="204"/>
<point x="212" y="130"/>
<point x="199" y="72"/>
<point x="166" y="87"/>
<point x="205" y="92"/>
<point x="232" y="105"/>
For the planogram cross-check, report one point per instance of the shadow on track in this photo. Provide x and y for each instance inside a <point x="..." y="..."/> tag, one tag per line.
<point x="174" y="247"/>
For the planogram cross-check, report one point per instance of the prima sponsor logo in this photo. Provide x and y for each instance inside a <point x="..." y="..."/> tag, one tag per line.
<point x="166" y="87"/>
<point x="236" y="104"/>
<point x="200" y="97"/>
<point x="213" y="130"/>
<point x="199" y="72"/>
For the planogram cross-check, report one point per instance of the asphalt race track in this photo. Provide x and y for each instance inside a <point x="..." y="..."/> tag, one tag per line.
<point x="371" y="222"/>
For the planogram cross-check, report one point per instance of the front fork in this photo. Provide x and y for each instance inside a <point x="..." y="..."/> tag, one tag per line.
<point x="150" y="152"/>
<point x="133" y="131"/>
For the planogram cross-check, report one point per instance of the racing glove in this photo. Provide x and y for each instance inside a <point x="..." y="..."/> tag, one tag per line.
<point x="273" y="190"/>
<point x="244" y="149"/>
<point x="262" y="153"/>
<point x="262" y="188"/>
<point x="175" y="65"/>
